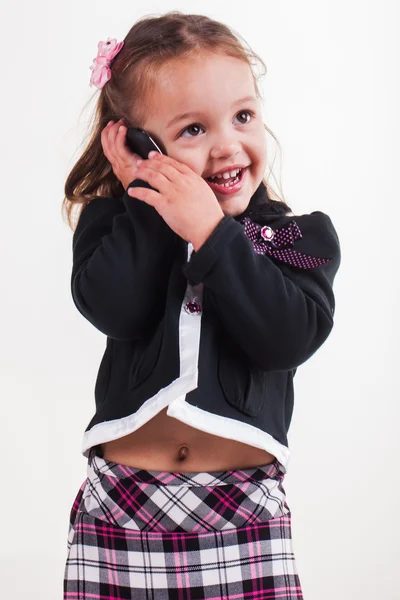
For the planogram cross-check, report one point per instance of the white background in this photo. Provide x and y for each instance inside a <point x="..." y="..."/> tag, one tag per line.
<point x="332" y="99"/>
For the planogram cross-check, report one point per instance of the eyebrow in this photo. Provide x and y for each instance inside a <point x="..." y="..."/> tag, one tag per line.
<point x="191" y="115"/>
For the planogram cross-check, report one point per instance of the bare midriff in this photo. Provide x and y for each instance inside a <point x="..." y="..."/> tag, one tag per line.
<point x="166" y="444"/>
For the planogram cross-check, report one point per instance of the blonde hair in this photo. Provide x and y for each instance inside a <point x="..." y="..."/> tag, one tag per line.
<point x="149" y="44"/>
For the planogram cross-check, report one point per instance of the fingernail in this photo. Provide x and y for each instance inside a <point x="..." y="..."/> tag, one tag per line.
<point x="139" y="162"/>
<point x="152" y="154"/>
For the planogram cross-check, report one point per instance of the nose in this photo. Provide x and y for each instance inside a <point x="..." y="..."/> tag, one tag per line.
<point x="225" y="147"/>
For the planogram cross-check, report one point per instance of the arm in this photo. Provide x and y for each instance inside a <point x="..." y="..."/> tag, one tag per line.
<point x="278" y="314"/>
<point x="122" y="257"/>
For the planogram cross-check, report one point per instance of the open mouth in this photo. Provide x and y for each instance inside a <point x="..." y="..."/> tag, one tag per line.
<point x="228" y="182"/>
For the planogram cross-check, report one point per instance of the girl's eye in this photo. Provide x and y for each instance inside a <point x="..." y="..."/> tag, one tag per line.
<point x="249" y="112"/>
<point x="197" y="126"/>
<point x="194" y="126"/>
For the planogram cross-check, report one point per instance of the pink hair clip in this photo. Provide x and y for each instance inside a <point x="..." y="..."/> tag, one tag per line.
<point x="101" y="72"/>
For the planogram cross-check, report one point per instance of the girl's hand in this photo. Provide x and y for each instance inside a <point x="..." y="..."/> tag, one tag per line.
<point x="122" y="160"/>
<point x="184" y="199"/>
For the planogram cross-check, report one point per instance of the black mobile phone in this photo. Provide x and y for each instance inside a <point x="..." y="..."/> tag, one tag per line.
<point x="140" y="142"/>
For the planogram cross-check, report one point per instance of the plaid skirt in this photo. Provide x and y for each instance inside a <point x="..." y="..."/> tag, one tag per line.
<point x="154" y="535"/>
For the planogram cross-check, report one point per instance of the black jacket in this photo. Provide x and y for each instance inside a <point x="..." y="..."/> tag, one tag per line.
<point x="215" y="335"/>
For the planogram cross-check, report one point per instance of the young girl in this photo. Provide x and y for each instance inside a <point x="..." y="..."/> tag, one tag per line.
<point x="211" y="294"/>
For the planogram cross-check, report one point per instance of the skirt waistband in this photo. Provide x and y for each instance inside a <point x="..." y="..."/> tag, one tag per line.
<point x="141" y="534"/>
<point x="102" y="466"/>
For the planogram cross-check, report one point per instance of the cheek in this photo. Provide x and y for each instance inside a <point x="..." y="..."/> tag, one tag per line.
<point x="263" y="160"/>
<point x="260" y="154"/>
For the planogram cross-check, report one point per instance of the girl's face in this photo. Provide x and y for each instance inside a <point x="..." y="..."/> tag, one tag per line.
<point x="223" y="129"/>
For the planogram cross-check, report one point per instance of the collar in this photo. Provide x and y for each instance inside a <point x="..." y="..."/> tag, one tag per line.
<point x="262" y="206"/>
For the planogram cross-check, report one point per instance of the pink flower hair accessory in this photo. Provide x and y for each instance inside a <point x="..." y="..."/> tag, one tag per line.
<point x="101" y="72"/>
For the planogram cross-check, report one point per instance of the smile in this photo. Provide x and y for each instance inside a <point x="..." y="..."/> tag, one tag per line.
<point x="231" y="187"/>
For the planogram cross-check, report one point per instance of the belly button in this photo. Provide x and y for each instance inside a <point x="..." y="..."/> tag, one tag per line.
<point x="183" y="452"/>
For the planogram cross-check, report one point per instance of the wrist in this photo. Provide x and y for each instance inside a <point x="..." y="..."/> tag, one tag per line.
<point x="200" y="238"/>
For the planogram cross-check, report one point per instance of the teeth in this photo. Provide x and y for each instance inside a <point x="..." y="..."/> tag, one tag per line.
<point x="230" y="183"/>
<point x="227" y="174"/>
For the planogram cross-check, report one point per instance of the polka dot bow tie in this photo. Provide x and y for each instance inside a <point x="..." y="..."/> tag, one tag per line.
<point x="277" y="242"/>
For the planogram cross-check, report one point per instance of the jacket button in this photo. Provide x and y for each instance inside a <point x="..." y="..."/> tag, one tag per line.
<point x="267" y="233"/>
<point x="192" y="307"/>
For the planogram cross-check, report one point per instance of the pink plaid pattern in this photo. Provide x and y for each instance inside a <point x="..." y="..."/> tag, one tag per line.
<point x="149" y="534"/>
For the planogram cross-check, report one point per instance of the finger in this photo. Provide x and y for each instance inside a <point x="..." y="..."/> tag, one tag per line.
<point x="116" y="159"/>
<point x="157" y="180"/>
<point x="156" y="173"/>
<point x="112" y="136"/>
<point x="168" y="160"/>
<point x="170" y="167"/>
<point x="104" y="139"/>
<point x="107" y="137"/>
<point x="151" y="197"/>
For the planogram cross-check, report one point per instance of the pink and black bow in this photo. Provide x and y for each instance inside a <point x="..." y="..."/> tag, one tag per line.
<point x="276" y="242"/>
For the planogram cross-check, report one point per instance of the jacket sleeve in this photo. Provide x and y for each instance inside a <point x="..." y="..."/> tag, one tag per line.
<point x="122" y="257"/>
<point x="279" y="314"/>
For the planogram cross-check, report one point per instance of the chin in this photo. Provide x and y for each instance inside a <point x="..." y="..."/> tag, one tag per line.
<point x="234" y="211"/>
